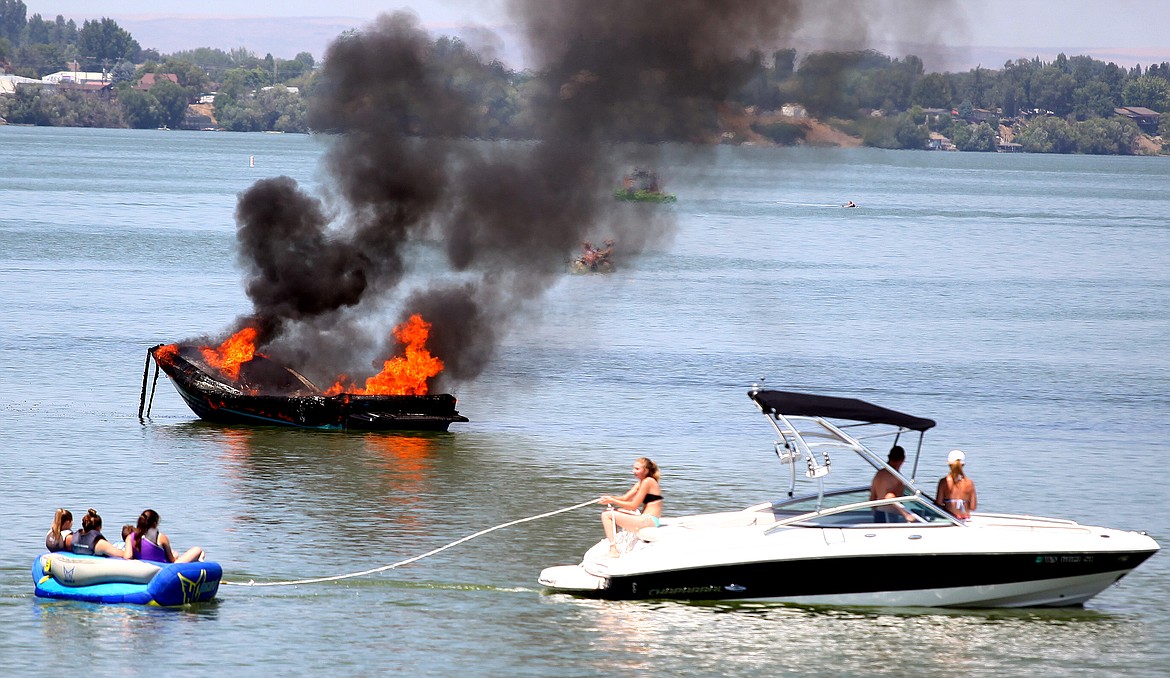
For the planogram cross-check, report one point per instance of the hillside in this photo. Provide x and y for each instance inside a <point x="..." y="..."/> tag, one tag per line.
<point x="737" y="124"/>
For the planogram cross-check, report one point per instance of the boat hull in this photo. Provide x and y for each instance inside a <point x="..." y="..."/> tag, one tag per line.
<point x="96" y="579"/>
<point x="1001" y="561"/>
<point x="966" y="580"/>
<point x="960" y="580"/>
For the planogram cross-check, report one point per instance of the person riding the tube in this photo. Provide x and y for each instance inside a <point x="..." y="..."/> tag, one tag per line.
<point x="89" y="540"/>
<point x="60" y="533"/>
<point x="147" y="543"/>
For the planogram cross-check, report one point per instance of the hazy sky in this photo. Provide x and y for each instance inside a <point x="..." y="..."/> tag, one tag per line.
<point x="1111" y="29"/>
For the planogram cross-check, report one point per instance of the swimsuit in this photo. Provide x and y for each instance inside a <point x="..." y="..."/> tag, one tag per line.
<point x="650" y="499"/>
<point x="147" y="549"/>
<point x="56" y="544"/>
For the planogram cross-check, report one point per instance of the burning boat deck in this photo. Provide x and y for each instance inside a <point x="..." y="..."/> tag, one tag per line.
<point x="266" y="392"/>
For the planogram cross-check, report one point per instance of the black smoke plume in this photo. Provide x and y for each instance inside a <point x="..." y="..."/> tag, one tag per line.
<point x="419" y="217"/>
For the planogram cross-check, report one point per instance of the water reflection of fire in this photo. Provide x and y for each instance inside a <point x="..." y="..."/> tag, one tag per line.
<point x="407" y="465"/>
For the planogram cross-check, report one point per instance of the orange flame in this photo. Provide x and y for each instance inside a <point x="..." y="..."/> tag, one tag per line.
<point x="236" y="349"/>
<point x="167" y="353"/>
<point x="400" y="375"/>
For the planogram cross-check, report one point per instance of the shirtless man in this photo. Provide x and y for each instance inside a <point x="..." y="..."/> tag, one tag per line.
<point x="886" y="485"/>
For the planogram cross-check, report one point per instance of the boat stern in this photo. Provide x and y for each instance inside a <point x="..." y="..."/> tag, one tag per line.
<point x="571" y="579"/>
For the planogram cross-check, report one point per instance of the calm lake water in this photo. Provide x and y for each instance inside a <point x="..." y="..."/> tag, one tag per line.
<point x="1022" y="301"/>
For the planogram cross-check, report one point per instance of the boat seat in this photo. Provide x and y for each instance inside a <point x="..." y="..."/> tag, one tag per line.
<point x="648" y="533"/>
<point x="747" y="518"/>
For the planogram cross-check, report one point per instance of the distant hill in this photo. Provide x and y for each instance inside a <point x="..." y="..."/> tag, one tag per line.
<point x="285" y="37"/>
<point x="282" y="37"/>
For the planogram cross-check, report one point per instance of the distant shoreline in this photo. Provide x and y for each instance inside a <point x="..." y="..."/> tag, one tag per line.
<point x="284" y="37"/>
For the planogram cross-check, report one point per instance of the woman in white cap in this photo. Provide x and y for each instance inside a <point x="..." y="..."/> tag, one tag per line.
<point x="956" y="492"/>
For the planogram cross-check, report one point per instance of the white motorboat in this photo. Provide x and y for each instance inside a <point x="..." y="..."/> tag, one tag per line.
<point x="824" y="546"/>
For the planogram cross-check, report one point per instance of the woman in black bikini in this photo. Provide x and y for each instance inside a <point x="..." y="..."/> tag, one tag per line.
<point x="645" y="494"/>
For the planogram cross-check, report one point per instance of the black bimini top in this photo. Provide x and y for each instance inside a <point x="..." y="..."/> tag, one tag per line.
<point x="807" y="405"/>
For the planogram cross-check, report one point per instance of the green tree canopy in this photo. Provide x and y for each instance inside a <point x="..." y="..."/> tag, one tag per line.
<point x="974" y="137"/>
<point x="1093" y="100"/>
<point x="190" y="75"/>
<point x="12" y="20"/>
<point x="140" y="108"/>
<point x="933" y="90"/>
<point x="1106" y="137"/>
<point x="172" y="101"/>
<point x="1148" y="91"/>
<point x="104" y="40"/>
<point x="1047" y="134"/>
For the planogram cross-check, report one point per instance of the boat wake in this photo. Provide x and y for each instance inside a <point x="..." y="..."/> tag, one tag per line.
<point x="807" y="204"/>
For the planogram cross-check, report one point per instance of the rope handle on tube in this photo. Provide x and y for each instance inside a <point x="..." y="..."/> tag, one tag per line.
<point x="317" y="580"/>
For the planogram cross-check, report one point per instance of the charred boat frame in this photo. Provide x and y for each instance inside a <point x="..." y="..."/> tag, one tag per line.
<point x="297" y="402"/>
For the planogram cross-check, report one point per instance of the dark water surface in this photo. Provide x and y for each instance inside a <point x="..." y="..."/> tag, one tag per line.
<point x="1022" y="301"/>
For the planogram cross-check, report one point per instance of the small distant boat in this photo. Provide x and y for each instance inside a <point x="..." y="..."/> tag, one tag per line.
<point x="97" y="579"/>
<point x="579" y="267"/>
<point x="593" y="259"/>
<point x="642" y="185"/>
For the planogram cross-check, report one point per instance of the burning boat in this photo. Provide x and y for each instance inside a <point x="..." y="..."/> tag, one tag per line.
<point x="234" y="384"/>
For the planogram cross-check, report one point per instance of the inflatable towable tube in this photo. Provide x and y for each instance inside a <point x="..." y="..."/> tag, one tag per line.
<point x="97" y="579"/>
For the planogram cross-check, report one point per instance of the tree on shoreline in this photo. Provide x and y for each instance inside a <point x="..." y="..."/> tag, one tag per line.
<point x="873" y="95"/>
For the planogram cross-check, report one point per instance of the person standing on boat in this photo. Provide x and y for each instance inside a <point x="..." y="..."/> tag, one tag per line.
<point x="623" y="510"/>
<point x="956" y="492"/>
<point x="886" y="485"/>
<point x="89" y="540"/>
<point x="147" y="543"/>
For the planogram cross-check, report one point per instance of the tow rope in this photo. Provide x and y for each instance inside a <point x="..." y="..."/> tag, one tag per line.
<point x="317" y="580"/>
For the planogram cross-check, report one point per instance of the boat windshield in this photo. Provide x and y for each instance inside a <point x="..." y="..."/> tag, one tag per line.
<point x="852" y="508"/>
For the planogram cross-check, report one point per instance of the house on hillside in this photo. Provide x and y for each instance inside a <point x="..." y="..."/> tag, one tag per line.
<point x="794" y="111"/>
<point x="9" y="83"/>
<point x="938" y="142"/>
<point x="1146" y="119"/>
<point x="149" y="80"/>
<point x="936" y="115"/>
<point x="979" y="115"/>
<point x="88" y="87"/>
<point x="76" y="77"/>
